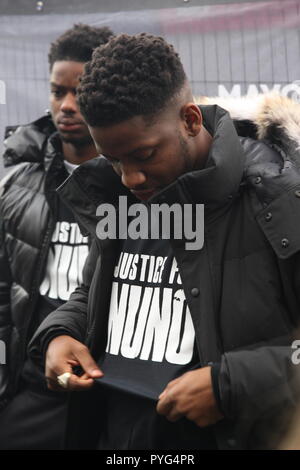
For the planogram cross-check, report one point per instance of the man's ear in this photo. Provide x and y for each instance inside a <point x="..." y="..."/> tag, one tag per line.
<point x="192" y="117"/>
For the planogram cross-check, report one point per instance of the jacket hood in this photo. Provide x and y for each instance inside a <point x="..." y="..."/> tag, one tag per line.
<point x="223" y="172"/>
<point x="27" y="143"/>
<point x="270" y="117"/>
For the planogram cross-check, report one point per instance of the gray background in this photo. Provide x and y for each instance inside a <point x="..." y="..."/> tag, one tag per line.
<point x="227" y="48"/>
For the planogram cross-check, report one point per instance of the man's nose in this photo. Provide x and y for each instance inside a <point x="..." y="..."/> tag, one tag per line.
<point x="132" y="177"/>
<point x="69" y="104"/>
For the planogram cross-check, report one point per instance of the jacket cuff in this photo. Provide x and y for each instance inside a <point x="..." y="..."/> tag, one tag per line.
<point x="38" y="346"/>
<point x="215" y="372"/>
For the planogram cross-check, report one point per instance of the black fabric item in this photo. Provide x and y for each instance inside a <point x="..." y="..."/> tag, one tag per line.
<point x="140" y="379"/>
<point x="132" y="423"/>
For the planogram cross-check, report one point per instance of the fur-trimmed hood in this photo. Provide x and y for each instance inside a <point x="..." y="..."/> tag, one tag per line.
<point x="270" y="117"/>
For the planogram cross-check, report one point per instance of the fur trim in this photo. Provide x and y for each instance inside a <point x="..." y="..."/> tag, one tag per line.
<point x="269" y="112"/>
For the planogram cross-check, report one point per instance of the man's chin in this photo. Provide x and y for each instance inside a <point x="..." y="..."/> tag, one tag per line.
<point x="145" y="194"/>
<point x="76" y="140"/>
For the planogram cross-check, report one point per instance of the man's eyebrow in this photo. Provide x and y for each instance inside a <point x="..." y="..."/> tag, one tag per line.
<point x="61" y="87"/>
<point x="140" y="149"/>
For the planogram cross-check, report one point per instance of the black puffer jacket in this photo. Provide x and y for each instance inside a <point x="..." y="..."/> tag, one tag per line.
<point x="242" y="288"/>
<point x="27" y="215"/>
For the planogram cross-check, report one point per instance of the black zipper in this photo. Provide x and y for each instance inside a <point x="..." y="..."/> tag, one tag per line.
<point x="44" y="251"/>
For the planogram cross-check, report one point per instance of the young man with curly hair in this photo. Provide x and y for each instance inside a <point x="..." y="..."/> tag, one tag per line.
<point x="179" y="349"/>
<point x="42" y="251"/>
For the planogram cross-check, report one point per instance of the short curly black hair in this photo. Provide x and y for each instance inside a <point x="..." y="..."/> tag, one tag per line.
<point x="129" y="76"/>
<point x="77" y="44"/>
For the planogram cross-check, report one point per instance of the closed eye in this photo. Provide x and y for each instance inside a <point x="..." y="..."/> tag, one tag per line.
<point x="137" y="158"/>
<point x="143" y="158"/>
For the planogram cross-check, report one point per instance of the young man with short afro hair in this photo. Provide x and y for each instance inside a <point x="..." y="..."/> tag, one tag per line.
<point x="77" y="43"/>
<point x="180" y="348"/>
<point x="129" y="78"/>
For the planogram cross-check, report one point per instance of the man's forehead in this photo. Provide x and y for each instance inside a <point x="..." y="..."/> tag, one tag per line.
<point x="63" y="70"/>
<point x="126" y="137"/>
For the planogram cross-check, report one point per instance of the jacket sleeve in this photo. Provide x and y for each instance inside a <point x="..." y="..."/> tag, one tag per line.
<point x="259" y="391"/>
<point x="5" y="313"/>
<point x="6" y="280"/>
<point x="259" y="387"/>
<point x="70" y="318"/>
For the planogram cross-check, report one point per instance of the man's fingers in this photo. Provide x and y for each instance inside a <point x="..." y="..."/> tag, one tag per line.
<point x="51" y="376"/>
<point x="74" y="383"/>
<point x="167" y="407"/>
<point x="65" y="354"/>
<point x="173" y="414"/>
<point x="87" y="362"/>
<point x="82" y="383"/>
<point x="165" y="404"/>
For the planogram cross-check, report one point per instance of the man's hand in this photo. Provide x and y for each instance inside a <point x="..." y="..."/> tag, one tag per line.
<point x="65" y="352"/>
<point x="190" y="395"/>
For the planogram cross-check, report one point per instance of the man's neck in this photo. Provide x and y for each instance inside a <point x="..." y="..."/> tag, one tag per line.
<point x="78" y="154"/>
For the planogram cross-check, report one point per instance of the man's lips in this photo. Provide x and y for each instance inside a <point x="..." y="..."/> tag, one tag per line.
<point x="69" y="124"/>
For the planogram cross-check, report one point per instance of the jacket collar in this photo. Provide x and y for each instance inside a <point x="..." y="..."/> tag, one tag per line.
<point x="27" y="143"/>
<point x="220" y="179"/>
<point x="53" y="156"/>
